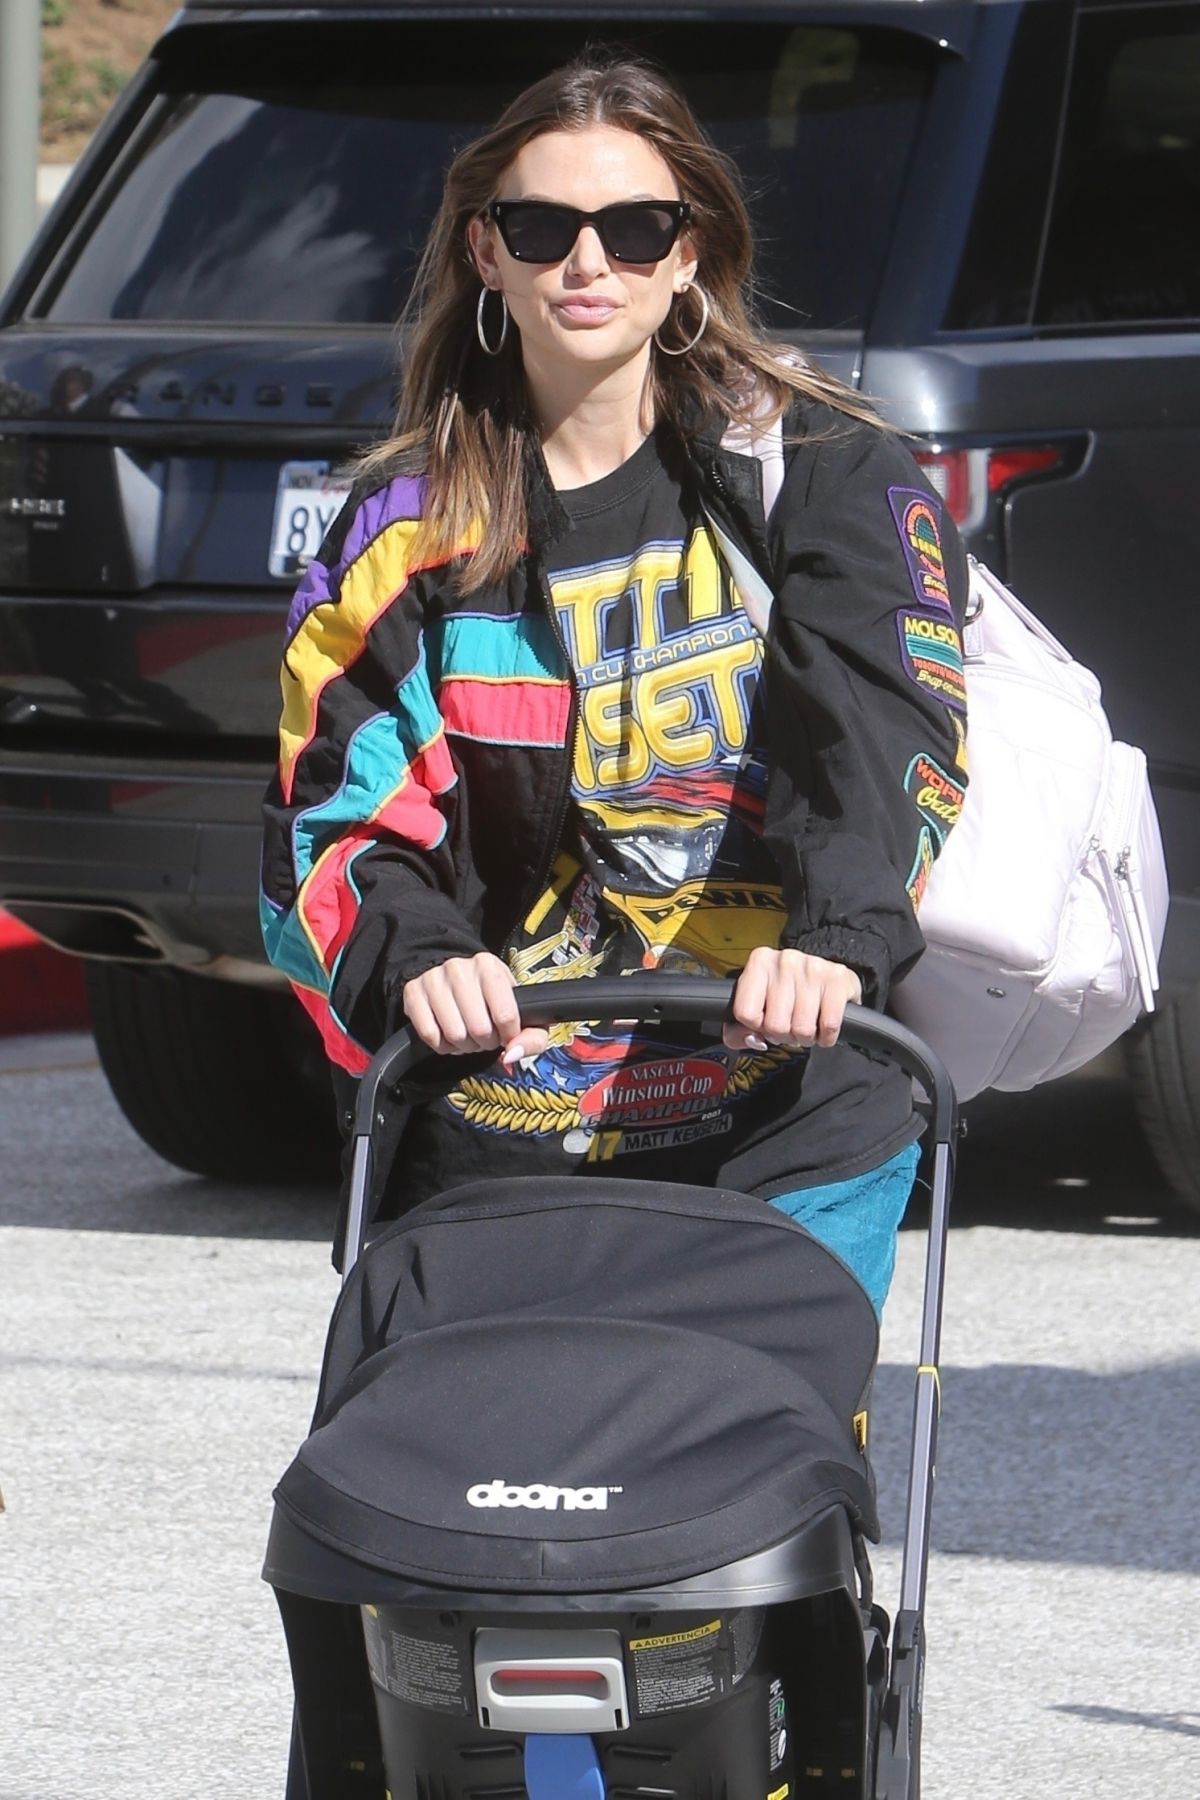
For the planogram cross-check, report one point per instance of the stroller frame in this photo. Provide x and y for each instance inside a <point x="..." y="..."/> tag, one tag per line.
<point x="764" y="1577"/>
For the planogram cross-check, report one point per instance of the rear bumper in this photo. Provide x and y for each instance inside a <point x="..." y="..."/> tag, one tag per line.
<point x="113" y="861"/>
<point x="107" y="861"/>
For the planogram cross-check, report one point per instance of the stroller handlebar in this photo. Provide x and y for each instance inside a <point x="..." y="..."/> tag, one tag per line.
<point x="653" y="998"/>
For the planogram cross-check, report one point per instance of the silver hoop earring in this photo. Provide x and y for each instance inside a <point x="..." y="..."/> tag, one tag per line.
<point x="700" y="329"/>
<point x="479" y="331"/>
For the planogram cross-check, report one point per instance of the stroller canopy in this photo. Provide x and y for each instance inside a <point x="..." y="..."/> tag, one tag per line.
<point x="538" y="1386"/>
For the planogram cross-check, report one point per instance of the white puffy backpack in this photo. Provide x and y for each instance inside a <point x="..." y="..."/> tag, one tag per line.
<point x="1044" y="914"/>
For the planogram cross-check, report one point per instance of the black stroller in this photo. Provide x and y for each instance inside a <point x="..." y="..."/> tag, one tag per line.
<point x="583" y="1511"/>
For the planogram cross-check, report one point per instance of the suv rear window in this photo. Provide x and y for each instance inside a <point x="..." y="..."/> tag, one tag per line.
<point x="1124" y="238"/>
<point x="287" y="174"/>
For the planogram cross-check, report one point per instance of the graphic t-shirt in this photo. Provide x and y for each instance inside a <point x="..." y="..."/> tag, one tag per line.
<point x="661" y="864"/>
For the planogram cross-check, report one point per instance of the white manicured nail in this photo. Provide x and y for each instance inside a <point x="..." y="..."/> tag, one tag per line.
<point x="754" y="1042"/>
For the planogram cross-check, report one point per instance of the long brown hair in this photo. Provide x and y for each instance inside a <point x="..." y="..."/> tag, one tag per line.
<point x="465" y="415"/>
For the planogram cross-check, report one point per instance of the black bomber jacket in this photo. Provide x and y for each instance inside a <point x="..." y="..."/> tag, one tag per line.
<point x="426" y="735"/>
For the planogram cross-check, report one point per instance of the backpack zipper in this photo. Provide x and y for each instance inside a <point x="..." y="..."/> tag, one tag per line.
<point x="1121" y="882"/>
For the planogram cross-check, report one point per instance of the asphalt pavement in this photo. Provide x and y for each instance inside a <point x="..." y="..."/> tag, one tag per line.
<point x="161" y="1342"/>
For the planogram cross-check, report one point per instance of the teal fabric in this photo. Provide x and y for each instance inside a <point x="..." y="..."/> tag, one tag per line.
<point x="858" y="1219"/>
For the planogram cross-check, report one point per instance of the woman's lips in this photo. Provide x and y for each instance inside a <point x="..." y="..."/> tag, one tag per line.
<point x="586" y="312"/>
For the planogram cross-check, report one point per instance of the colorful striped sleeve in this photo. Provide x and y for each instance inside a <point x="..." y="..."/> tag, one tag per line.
<point x="358" y="864"/>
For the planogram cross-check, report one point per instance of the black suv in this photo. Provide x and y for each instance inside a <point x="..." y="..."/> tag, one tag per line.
<point x="986" y="214"/>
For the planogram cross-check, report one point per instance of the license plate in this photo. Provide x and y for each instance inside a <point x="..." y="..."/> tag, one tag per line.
<point x="307" y="501"/>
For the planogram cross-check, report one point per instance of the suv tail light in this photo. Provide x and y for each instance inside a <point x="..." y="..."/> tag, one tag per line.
<point x="971" y="482"/>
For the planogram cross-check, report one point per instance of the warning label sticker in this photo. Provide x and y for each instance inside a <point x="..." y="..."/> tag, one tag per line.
<point x="425" y="1671"/>
<point x="677" y="1669"/>
<point x="682" y="1668"/>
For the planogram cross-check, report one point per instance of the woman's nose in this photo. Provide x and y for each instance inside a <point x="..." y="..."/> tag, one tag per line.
<point x="588" y="256"/>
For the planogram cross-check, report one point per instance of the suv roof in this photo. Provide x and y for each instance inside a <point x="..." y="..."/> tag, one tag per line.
<point x="944" y="21"/>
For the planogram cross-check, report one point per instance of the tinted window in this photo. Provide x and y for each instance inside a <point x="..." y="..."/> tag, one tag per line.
<point x="289" y="174"/>
<point x="994" y="283"/>
<point x="1124" y="240"/>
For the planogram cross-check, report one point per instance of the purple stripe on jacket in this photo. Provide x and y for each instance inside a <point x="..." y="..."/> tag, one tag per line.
<point x="402" y="498"/>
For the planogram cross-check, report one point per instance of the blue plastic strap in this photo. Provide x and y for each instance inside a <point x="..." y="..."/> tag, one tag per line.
<point x="562" y="1767"/>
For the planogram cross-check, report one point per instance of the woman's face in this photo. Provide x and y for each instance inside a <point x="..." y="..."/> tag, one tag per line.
<point x="589" y="308"/>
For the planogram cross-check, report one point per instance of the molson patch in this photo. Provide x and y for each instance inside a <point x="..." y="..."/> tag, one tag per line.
<point x="932" y="654"/>
<point x="919" y="525"/>
<point x="937" y="796"/>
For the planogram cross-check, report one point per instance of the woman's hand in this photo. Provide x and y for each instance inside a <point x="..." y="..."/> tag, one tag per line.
<point x="467" y="1004"/>
<point x="785" y="997"/>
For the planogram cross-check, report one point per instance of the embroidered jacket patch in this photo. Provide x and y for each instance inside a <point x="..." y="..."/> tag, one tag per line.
<point x="919" y="526"/>
<point x="935" y="794"/>
<point x="931" y="651"/>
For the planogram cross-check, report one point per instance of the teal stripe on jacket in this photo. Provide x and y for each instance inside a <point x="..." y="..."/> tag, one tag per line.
<point x="289" y="947"/>
<point x="378" y="757"/>
<point x="521" y="648"/>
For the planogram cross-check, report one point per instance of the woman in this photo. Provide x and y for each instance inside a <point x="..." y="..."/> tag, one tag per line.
<point x="531" y="732"/>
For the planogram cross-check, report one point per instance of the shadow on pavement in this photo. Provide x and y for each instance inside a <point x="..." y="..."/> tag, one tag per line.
<point x="1067" y="1157"/>
<point x="187" y="1206"/>
<point x="1041" y="1463"/>
<point x="1184" y="1724"/>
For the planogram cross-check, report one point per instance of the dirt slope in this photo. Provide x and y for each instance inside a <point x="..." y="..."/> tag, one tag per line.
<point x="90" y="48"/>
